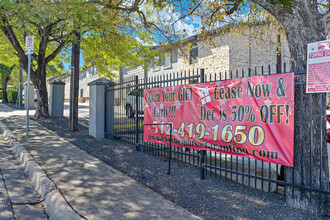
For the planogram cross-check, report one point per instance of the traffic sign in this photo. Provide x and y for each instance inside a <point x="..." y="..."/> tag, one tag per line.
<point x="318" y="67"/>
<point x="29" y="43"/>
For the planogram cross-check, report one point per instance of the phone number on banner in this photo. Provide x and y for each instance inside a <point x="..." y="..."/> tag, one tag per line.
<point x="239" y="134"/>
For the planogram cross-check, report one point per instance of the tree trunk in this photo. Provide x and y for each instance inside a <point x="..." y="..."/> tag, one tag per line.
<point x="4" y="91"/>
<point x="38" y="78"/>
<point x="42" y="99"/>
<point x="74" y="83"/>
<point x="20" y="95"/>
<point x="303" y="24"/>
<point x="310" y="153"/>
<point x="310" y="146"/>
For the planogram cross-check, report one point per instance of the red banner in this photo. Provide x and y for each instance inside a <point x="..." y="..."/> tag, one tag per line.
<point x="251" y="117"/>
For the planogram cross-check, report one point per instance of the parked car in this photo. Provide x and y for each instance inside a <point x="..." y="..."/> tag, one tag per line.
<point x="130" y="103"/>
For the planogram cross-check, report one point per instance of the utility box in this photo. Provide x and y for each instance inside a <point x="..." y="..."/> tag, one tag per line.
<point x="56" y="98"/>
<point x="29" y="102"/>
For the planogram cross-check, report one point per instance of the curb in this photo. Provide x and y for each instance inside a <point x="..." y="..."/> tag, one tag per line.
<point x="55" y="204"/>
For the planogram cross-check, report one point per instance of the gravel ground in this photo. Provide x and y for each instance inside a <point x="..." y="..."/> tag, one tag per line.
<point x="212" y="198"/>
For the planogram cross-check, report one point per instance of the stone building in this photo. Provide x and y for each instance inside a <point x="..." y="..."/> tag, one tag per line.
<point x="231" y="48"/>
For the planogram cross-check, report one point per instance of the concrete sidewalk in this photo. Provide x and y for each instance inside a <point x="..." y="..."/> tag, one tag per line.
<point x="93" y="189"/>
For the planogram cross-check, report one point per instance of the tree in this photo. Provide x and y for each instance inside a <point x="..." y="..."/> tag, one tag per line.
<point x="8" y="61"/>
<point x="22" y="18"/>
<point x="52" y="23"/>
<point x="5" y="73"/>
<point x="74" y="83"/>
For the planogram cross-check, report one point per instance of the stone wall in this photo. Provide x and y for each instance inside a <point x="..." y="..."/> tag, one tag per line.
<point x="213" y="58"/>
<point x="255" y="47"/>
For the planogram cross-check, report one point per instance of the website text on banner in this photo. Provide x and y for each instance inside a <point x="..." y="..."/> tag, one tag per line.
<point x="251" y="117"/>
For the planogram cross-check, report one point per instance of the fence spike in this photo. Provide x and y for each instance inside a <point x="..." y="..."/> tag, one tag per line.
<point x="185" y="76"/>
<point x="166" y="79"/>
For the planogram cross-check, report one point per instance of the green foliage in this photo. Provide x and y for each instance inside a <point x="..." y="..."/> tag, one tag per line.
<point x="8" y="55"/>
<point x="0" y="94"/>
<point x="112" y="36"/>
<point x="110" y="52"/>
<point x="8" y="60"/>
<point x="12" y="96"/>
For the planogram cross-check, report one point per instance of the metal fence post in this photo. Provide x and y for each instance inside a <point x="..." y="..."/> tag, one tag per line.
<point x="170" y="156"/>
<point x="137" y="111"/>
<point x="202" y="152"/>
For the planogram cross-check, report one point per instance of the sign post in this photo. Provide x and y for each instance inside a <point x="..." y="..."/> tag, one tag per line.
<point x="318" y="67"/>
<point x="29" y="43"/>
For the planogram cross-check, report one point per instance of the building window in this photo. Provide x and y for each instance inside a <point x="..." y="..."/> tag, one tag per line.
<point x="193" y="53"/>
<point x="156" y="64"/>
<point x="167" y="61"/>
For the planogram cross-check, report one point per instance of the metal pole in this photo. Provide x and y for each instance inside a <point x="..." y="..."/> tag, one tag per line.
<point x="137" y="112"/>
<point x="19" y="96"/>
<point x="142" y="163"/>
<point x="202" y="79"/>
<point x="170" y="156"/>
<point x="27" y="96"/>
<point x="71" y="97"/>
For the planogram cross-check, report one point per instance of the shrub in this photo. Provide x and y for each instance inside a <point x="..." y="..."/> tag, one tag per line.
<point x="0" y="94"/>
<point x="12" y="96"/>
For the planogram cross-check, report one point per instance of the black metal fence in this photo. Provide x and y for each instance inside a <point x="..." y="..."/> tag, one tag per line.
<point x="128" y="126"/>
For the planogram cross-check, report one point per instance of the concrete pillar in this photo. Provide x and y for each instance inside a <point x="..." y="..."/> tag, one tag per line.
<point x="29" y="102"/>
<point x="97" y="107"/>
<point x="56" y="98"/>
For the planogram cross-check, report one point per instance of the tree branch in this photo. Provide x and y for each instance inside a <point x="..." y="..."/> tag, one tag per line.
<point x="268" y="5"/>
<point x="234" y="8"/>
<point x="190" y="13"/>
<point x="56" y="52"/>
